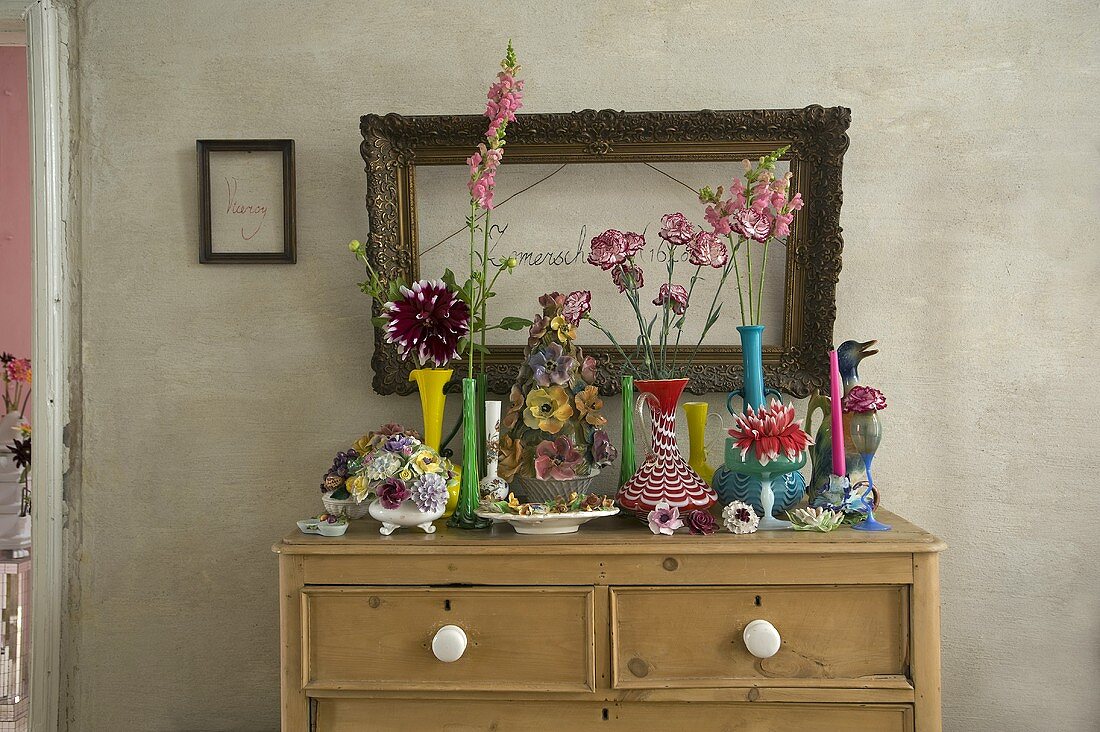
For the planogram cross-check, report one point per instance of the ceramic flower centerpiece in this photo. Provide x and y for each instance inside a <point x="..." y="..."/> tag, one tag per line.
<point x="767" y="444"/>
<point x="406" y="479"/>
<point x="553" y="439"/>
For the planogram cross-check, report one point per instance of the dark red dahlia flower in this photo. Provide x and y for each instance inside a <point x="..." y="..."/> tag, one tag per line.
<point x="428" y="321"/>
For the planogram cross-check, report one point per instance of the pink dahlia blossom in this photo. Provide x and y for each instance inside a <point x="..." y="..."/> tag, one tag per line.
<point x="708" y="250"/>
<point x="676" y="229"/>
<point x="557" y="460"/>
<point x="627" y="276"/>
<point x="664" y="519"/>
<point x="577" y="305"/>
<point x="752" y="224"/>
<point x="18" y="369"/>
<point x="608" y="249"/>
<point x="428" y="320"/>
<point x="770" y="432"/>
<point x="862" y="399"/>
<point x="675" y="295"/>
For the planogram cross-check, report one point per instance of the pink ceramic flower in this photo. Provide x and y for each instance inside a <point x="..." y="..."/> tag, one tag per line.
<point x="702" y="523"/>
<point x="708" y="250"/>
<point x="676" y="229"/>
<point x="428" y="320"/>
<point x="392" y="492"/>
<point x="608" y="249"/>
<point x="603" y="452"/>
<point x="627" y="276"/>
<point x="752" y="224"/>
<point x="862" y="399"/>
<point x="557" y="460"/>
<point x="675" y="295"/>
<point x="664" y="519"/>
<point x="770" y="432"/>
<point x="577" y="305"/>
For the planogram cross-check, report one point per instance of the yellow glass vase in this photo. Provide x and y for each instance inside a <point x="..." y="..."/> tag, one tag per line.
<point x="430" y="383"/>
<point x="697" y="439"/>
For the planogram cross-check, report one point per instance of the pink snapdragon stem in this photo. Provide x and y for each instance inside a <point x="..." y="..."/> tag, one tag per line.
<point x="837" y="417"/>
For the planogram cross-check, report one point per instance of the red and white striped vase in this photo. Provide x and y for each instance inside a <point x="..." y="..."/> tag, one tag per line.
<point x="664" y="475"/>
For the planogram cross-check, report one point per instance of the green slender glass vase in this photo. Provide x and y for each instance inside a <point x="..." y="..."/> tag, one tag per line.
<point x="628" y="463"/>
<point x="469" y="492"/>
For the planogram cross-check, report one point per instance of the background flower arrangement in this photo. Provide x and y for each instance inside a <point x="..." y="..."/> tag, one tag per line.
<point x="394" y="466"/>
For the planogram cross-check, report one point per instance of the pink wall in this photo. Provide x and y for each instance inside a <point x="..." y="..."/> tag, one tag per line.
<point x="15" y="204"/>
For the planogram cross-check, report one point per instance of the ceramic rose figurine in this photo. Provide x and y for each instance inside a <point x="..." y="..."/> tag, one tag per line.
<point x="553" y="439"/>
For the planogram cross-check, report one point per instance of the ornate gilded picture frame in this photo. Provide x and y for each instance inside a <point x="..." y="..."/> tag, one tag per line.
<point x="397" y="148"/>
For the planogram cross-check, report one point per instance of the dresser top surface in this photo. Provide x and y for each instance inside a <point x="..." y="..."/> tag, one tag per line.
<point x="616" y="535"/>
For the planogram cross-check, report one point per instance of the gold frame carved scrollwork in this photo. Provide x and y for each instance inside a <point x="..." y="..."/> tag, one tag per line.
<point x="394" y="145"/>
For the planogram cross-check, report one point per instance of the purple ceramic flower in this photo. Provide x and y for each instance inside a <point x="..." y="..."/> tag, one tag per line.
<point x="429" y="493"/>
<point x="676" y="229"/>
<point x="588" y="369"/>
<point x="392" y="492"/>
<point x="675" y="295"/>
<point x="557" y="460"/>
<point x="627" y="276"/>
<point x="664" y="519"/>
<point x="702" y="523"/>
<point x="551" y="365"/>
<point x="399" y="443"/>
<point x="428" y="321"/>
<point x="603" y="452"/>
<point x="538" y="329"/>
<point x="577" y="305"/>
<point x="862" y="399"/>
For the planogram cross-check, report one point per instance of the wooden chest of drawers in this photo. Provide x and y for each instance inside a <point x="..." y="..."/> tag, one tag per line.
<point x="610" y="629"/>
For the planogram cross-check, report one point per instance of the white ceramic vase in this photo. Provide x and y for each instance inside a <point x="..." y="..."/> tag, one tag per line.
<point x="7" y="428"/>
<point x="493" y="487"/>
<point x="407" y="515"/>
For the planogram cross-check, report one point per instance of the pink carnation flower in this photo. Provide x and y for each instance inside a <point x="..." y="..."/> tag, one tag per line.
<point x="627" y="276"/>
<point x="676" y="295"/>
<point x="752" y="224"/>
<point x="608" y="249"/>
<point x="577" y="305"/>
<point x="632" y="243"/>
<point x="676" y="229"/>
<point x="708" y="250"/>
<point x="862" y="399"/>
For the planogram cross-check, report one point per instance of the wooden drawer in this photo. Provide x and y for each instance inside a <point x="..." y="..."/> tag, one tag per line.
<point x="847" y="636"/>
<point x="379" y="638"/>
<point x="385" y="715"/>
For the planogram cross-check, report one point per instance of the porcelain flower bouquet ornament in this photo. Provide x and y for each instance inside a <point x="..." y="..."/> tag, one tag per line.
<point x="553" y="436"/>
<point x="405" y="479"/>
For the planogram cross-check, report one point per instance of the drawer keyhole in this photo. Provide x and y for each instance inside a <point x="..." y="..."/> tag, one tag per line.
<point x="447" y="604"/>
<point x="606" y="716"/>
<point x="756" y="601"/>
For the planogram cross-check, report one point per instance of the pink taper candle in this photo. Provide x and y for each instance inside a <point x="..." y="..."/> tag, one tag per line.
<point x="837" y="433"/>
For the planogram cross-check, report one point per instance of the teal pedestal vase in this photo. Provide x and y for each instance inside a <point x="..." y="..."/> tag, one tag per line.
<point x="766" y="476"/>
<point x="731" y="482"/>
<point x="469" y="492"/>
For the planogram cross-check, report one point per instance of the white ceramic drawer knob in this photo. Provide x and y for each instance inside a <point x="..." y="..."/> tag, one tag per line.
<point x="449" y="643"/>
<point x="762" y="639"/>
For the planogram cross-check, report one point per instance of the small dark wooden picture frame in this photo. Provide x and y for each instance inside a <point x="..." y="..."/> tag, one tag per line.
<point x="208" y="253"/>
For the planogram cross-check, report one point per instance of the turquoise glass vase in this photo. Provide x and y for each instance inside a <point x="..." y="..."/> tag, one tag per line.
<point x="469" y="492"/>
<point x="766" y="475"/>
<point x="732" y="483"/>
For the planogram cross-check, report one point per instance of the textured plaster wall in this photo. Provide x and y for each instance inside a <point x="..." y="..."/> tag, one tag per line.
<point x="213" y="396"/>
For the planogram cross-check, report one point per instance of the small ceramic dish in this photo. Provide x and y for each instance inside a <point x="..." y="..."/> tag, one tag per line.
<point x="324" y="528"/>
<point x="546" y="523"/>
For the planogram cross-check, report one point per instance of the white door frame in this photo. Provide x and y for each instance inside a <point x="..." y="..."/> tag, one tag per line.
<point x="48" y="24"/>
